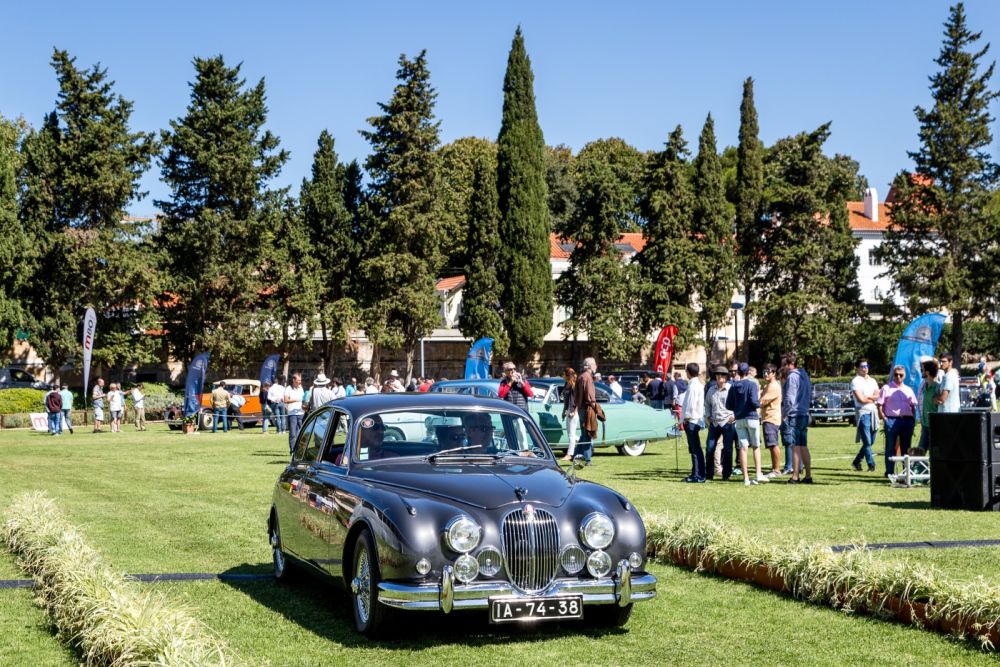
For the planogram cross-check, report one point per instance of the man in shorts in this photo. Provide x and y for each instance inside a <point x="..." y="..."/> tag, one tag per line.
<point x="97" y="400"/>
<point x="770" y="405"/>
<point x="744" y="400"/>
<point x="796" y="396"/>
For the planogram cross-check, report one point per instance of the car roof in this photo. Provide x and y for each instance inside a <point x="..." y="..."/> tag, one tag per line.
<point x="367" y="403"/>
<point x="241" y="381"/>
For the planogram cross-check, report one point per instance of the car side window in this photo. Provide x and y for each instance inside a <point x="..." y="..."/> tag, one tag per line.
<point x="335" y="449"/>
<point x="301" y="444"/>
<point x="20" y="376"/>
<point x="317" y="435"/>
<point x="602" y="396"/>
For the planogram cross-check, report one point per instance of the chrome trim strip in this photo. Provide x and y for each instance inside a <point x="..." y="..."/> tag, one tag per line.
<point x="476" y="595"/>
<point x="623" y="584"/>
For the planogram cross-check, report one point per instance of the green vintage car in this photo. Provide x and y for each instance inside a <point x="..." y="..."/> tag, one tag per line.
<point x="629" y="426"/>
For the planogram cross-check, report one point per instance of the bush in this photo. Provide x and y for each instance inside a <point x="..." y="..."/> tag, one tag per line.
<point x="16" y="401"/>
<point x="108" y="617"/>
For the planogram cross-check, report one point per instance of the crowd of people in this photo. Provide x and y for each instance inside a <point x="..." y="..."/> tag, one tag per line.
<point x="59" y="405"/>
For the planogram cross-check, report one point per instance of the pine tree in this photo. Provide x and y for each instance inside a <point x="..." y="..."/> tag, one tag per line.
<point x="524" y="226"/>
<point x="599" y="290"/>
<point x="17" y="254"/>
<point x="941" y="249"/>
<point x="81" y="170"/>
<point x="669" y="257"/>
<point x="711" y="224"/>
<point x="329" y="226"/>
<point x="481" y="295"/>
<point x="808" y="292"/>
<point x="749" y="194"/>
<point x="401" y="302"/>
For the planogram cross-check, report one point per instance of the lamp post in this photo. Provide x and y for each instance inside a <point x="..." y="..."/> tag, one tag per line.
<point x="737" y="306"/>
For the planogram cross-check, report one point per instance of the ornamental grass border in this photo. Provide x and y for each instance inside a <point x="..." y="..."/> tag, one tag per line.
<point x="106" y="616"/>
<point x="854" y="580"/>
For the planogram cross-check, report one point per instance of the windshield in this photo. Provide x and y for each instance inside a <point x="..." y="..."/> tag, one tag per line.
<point x="446" y="433"/>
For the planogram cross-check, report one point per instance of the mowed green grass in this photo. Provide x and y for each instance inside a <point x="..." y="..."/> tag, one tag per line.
<point x="164" y="502"/>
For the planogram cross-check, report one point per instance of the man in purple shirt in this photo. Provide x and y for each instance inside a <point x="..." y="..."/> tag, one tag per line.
<point x="897" y="407"/>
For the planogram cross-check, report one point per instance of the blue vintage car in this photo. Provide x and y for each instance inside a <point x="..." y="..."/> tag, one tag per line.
<point x="629" y="427"/>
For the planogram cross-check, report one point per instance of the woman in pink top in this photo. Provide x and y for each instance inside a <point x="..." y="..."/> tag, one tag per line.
<point x="897" y="407"/>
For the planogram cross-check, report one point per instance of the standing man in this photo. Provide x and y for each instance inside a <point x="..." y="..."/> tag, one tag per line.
<point x="139" y="405"/>
<point x="864" y="389"/>
<point x="220" y="407"/>
<point x="897" y="407"/>
<point x="53" y="406"/>
<point x="744" y="401"/>
<point x="351" y="387"/>
<point x="514" y="388"/>
<point x="293" y="404"/>
<point x="616" y="387"/>
<point x="322" y="393"/>
<point x="397" y="384"/>
<point x="67" y="408"/>
<point x="586" y="406"/>
<point x="668" y="392"/>
<point x="928" y="392"/>
<point x="370" y="386"/>
<point x="693" y="413"/>
<point x="797" y="394"/>
<point x="97" y="400"/>
<point x="949" y="400"/>
<point x="654" y="391"/>
<point x="770" y="405"/>
<point x="276" y="397"/>
<point x="721" y="426"/>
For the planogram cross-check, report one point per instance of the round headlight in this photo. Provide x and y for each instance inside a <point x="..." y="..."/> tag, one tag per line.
<point x="490" y="562"/>
<point x="597" y="531"/>
<point x="463" y="534"/>
<point x="573" y="559"/>
<point x="423" y="566"/>
<point x="467" y="568"/>
<point x="635" y="560"/>
<point x="599" y="564"/>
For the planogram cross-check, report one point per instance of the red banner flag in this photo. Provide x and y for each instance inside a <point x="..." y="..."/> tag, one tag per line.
<point x="664" y="349"/>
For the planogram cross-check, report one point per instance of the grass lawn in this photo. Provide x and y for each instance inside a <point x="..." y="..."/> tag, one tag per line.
<point x="165" y="502"/>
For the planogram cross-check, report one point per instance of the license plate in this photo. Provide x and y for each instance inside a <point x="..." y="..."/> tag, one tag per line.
<point x="507" y="610"/>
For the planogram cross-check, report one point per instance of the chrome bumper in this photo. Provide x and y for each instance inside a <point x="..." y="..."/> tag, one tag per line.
<point x="623" y="588"/>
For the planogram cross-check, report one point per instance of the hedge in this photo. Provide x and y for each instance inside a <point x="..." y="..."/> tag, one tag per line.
<point x="14" y="401"/>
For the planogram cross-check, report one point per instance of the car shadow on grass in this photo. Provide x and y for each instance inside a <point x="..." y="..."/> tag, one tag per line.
<point x="904" y="504"/>
<point x="318" y="606"/>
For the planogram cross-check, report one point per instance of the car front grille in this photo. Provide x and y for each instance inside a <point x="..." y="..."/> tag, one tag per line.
<point x="531" y="549"/>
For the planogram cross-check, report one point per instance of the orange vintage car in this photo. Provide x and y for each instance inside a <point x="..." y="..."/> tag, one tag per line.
<point x="249" y="414"/>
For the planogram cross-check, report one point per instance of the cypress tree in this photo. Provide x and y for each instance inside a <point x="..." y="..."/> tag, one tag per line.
<point x="524" y="226"/>
<point x="214" y="225"/>
<point x="941" y="249"/>
<point x="17" y="256"/>
<point x="599" y="290"/>
<point x="716" y="268"/>
<point x="749" y="196"/>
<point x="481" y="295"/>
<point x="668" y="259"/>
<point x="329" y="227"/>
<point x="405" y="219"/>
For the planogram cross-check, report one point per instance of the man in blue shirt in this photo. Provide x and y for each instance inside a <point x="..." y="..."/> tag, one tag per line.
<point x="796" y="396"/>
<point x="744" y="401"/>
<point x="67" y="408"/>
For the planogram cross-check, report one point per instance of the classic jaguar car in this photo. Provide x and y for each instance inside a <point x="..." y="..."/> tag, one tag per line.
<point x="629" y="426"/>
<point x="831" y="402"/>
<point x="476" y="514"/>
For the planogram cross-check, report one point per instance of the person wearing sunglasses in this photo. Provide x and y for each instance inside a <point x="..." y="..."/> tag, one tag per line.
<point x="864" y="389"/>
<point x="897" y="406"/>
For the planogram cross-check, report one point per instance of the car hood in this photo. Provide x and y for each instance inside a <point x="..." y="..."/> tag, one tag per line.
<point x="479" y="484"/>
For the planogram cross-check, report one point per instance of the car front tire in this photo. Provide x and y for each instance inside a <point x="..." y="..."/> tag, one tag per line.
<point x="205" y="420"/>
<point x="632" y="448"/>
<point x="370" y="616"/>
<point x="282" y="565"/>
<point x="607" y="615"/>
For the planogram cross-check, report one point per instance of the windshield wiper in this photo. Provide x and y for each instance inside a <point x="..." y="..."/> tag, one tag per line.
<point x="431" y="457"/>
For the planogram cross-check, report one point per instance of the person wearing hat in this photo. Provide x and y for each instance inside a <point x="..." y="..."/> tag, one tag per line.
<point x="321" y="393"/>
<point x="220" y="407"/>
<point x="514" y="388"/>
<point x="720" y="426"/>
<point x="397" y="384"/>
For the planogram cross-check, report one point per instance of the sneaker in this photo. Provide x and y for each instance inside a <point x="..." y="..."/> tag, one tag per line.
<point x="748" y="482"/>
<point x="775" y="473"/>
<point x="856" y="466"/>
<point x="699" y="480"/>
<point x="807" y="480"/>
<point x="738" y="472"/>
<point x="762" y="479"/>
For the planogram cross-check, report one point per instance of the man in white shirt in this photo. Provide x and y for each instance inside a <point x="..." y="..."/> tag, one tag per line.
<point x="616" y="387"/>
<point x="276" y="397"/>
<point x="370" y="386"/>
<point x="321" y="393"/>
<point x="236" y="403"/>
<point x="949" y="400"/>
<point x="397" y="384"/>
<point x="864" y="389"/>
<point x="139" y="405"/>
<point x="338" y="389"/>
<point x="693" y="414"/>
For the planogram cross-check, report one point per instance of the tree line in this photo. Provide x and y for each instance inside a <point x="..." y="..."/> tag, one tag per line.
<point x="234" y="264"/>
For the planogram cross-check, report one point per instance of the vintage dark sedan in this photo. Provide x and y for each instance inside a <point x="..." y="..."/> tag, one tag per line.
<point x="831" y="402"/>
<point x="471" y="511"/>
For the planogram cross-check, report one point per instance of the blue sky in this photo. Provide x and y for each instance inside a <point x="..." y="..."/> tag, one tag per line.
<point x="631" y="70"/>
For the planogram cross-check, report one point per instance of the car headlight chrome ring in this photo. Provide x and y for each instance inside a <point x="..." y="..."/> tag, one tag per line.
<point x="490" y="561"/>
<point x="599" y="564"/>
<point x="597" y="530"/>
<point x="573" y="559"/>
<point x="466" y="568"/>
<point x="463" y="534"/>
